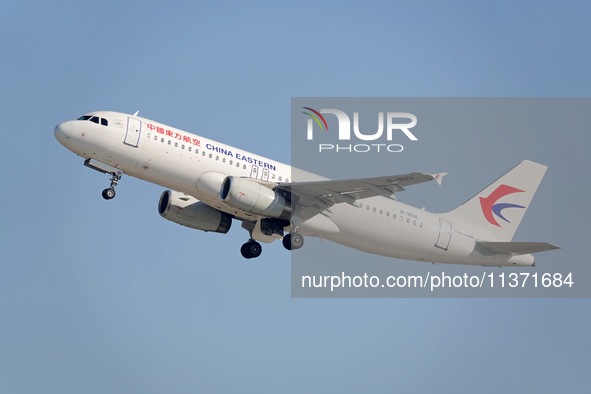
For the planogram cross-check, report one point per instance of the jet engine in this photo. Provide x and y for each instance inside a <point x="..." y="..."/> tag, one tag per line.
<point x="188" y="211"/>
<point x="210" y="183"/>
<point x="252" y="197"/>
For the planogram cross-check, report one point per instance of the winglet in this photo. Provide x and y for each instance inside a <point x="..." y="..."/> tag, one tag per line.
<point x="439" y="177"/>
<point x="136" y="112"/>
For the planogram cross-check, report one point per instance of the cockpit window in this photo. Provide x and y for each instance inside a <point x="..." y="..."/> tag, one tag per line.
<point x="95" y="119"/>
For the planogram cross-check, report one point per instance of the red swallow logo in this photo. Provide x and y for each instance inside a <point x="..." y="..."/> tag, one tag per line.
<point x="490" y="209"/>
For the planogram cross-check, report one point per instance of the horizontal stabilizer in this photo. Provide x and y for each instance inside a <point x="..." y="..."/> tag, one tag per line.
<point x="515" y="248"/>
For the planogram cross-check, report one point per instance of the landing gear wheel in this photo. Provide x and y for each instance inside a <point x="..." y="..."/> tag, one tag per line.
<point x="244" y="251"/>
<point x="109" y="193"/>
<point x="252" y="249"/>
<point x="293" y="241"/>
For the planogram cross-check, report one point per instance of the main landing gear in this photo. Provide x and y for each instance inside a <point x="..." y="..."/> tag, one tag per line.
<point x="251" y="249"/>
<point x="293" y="241"/>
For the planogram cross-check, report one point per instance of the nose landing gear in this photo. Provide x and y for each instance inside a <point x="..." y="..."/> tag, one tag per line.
<point x="115" y="172"/>
<point x="109" y="193"/>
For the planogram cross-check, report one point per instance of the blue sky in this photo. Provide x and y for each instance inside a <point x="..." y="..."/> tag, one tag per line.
<point x="100" y="296"/>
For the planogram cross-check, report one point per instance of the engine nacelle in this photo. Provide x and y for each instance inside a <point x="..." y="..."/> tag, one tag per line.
<point x="252" y="197"/>
<point x="188" y="211"/>
<point x="210" y="183"/>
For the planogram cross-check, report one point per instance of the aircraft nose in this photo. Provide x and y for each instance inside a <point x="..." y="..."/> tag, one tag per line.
<point x="63" y="132"/>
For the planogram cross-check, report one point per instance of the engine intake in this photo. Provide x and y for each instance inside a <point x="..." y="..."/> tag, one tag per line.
<point x="188" y="211"/>
<point x="252" y="197"/>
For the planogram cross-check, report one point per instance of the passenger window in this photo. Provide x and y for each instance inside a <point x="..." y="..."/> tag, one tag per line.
<point x="189" y="149"/>
<point x="104" y="122"/>
<point x="169" y="142"/>
<point x="176" y="144"/>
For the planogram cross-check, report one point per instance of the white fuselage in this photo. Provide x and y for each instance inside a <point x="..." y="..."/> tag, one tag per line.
<point x="175" y="159"/>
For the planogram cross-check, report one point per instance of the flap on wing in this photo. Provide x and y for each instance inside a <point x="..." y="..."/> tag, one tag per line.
<point x="515" y="248"/>
<point x="350" y="190"/>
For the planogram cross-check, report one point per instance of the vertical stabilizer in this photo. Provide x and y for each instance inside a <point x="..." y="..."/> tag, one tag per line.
<point x="501" y="206"/>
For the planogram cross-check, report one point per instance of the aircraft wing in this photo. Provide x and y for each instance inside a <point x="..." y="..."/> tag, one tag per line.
<point x="327" y="193"/>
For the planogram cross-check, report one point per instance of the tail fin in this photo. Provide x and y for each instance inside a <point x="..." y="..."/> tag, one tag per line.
<point x="501" y="206"/>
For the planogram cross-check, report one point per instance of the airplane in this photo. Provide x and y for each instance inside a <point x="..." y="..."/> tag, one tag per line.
<point x="212" y="184"/>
